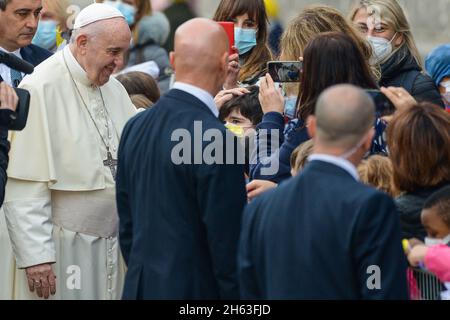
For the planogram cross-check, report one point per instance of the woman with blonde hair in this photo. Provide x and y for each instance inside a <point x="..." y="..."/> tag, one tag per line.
<point x="387" y="29"/>
<point x="251" y="40"/>
<point x="53" y="31"/>
<point x="300" y="155"/>
<point x="377" y="171"/>
<point x="312" y="21"/>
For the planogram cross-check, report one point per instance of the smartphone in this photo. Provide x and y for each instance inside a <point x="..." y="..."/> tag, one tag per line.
<point x="285" y="71"/>
<point x="229" y="29"/>
<point x="383" y="105"/>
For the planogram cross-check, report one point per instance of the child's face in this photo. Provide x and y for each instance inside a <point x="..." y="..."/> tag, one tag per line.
<point x="236" y="118"/>
<point x="434" y="225"/>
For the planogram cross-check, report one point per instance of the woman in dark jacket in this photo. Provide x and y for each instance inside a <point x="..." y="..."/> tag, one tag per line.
<point x="384" y="24"/>
<point x="331" y="58"/>
<point x="419" y="143"/>
<point x="405" y="72"/>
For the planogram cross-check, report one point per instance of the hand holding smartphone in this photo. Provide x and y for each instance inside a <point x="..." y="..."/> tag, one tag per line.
<point x="285" y="71"/>
<point x="383" y="105"/>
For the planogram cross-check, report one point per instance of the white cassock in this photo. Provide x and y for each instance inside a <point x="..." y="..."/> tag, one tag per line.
<point x="60" y="199"/>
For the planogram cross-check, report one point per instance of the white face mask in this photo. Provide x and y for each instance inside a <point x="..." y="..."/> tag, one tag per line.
<point x="446" y="95"/>
<point x="429" y="242"/>
<point x="382" y="48"/>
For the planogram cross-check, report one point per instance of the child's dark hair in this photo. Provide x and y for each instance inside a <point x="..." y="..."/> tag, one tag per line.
<point x="247" y="104"/>
<point x="441" y="201"/>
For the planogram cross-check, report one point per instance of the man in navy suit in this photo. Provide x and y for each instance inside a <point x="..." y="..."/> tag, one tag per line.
<point x="324" y="235"/>
<point x="18" y="24"/>
<point x="180" y="213"/>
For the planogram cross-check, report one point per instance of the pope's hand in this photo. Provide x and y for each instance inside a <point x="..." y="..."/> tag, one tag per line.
<point x="8" y="97"/>
<point x="42" y="279"/>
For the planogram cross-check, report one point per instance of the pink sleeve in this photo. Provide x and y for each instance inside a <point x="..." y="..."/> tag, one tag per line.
<point x="437" y="260"/>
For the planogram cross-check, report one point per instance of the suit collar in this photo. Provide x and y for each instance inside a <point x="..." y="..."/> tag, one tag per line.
<point x="337" y="161"/>
<point x="328" y="168"/>
<point x="190" y="99"/>
<point x="200" y="94"/>
<point x="27" y="55"/>
<point x="34" y="54"/>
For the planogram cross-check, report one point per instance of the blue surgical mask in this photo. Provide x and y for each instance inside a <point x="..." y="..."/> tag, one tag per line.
<point x="245" y="39"/>
<point x="128" y="11"/>
<point x="45" y="36"/>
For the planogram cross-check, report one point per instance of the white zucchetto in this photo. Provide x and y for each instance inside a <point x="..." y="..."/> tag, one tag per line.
<point x="96" y="12"/>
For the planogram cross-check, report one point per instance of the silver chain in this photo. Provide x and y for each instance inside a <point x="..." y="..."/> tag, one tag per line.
<point x="90" y="115"/>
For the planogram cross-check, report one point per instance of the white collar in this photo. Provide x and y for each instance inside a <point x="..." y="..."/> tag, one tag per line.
<point x="16" y="53"/>
<point x="200" y="94"/>
<point x="75" y="69"/>
<point x="337" y="161"/>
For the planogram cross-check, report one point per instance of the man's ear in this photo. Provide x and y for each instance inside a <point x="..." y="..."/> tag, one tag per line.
<point x="311" y="125"/>
<point x="224" y="62"/>
<point x="172" y="59"/>
<point x="82" y="41"/>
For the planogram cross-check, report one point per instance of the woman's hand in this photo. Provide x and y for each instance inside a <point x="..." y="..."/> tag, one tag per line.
<point x="234" y="68"/>
<point x="400" y="98"/>
<point x="270" y="97"/>
<point x="258" y="187"/>
<point x="226" y="95"/>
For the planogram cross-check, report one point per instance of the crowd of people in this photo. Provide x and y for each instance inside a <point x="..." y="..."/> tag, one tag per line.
<point x="161" y="160"/>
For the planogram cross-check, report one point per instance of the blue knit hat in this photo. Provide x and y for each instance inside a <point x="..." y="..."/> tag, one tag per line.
<point x="437" y="63"/>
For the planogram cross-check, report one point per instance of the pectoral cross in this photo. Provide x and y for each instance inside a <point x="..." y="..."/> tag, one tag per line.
<point x="111" y="163"/>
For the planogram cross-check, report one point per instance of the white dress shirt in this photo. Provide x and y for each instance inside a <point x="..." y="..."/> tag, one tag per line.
<point x="337" y="161"/>
<point x="200" y="94"/>
<point x="5" y="71"/>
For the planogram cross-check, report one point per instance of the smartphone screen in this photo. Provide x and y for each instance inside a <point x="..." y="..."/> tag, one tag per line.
<point x="285" y="71"/>
<point x="229" y="29"/>
<point x="383" y="105"/>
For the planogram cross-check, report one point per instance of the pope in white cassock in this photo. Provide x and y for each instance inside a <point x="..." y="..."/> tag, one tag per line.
<point x="60" y="201"/>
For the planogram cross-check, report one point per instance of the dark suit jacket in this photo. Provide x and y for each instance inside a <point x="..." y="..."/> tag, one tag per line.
<point x="34" y="55"/>
<point x="4" y="158"/>
<point x="317" y="236"/>
<point x="179" y="224"/>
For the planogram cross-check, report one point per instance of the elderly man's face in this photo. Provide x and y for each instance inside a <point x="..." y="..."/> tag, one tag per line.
<point x="105" y="52"/>
<point x="18" y="23"/>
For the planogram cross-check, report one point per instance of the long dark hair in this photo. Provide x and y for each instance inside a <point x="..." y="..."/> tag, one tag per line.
<point x="329" y="59"/>
<point x="257" y="60"/>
